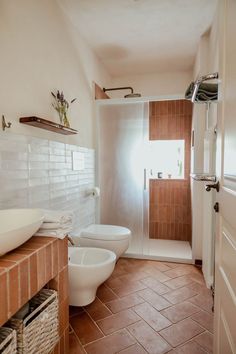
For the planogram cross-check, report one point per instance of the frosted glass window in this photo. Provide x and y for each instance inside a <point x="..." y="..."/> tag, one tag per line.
<point x="166" y="159"/>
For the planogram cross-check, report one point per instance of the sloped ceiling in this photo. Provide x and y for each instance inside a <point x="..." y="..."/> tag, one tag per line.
<point x="142" y="36"/>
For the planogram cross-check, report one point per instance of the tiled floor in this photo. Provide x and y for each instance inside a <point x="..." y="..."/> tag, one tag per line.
<point x="146" y="307"/>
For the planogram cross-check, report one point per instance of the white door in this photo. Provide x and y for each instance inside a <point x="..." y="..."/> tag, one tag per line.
<point x="225" y="289"/>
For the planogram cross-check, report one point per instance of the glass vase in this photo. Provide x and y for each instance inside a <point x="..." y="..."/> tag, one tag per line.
<point x="66" y="122"/>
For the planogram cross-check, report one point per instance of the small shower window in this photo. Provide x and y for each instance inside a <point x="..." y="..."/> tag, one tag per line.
<point x="166" y="159"/>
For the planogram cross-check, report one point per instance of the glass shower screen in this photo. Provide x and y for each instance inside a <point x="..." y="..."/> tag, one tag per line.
<point x="122" y="140"/>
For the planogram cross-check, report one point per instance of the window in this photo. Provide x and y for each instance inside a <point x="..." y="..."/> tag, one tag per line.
<point x="166" y="159"/>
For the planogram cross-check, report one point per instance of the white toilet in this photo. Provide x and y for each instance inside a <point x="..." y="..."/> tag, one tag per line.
<point x="88" y="268"/>
<point x="110" y="237"/>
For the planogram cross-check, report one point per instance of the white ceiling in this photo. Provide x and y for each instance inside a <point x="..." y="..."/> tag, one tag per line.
<point x="142" y="36"/>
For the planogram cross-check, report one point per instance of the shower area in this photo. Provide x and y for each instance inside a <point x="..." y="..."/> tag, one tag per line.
<point x="143" y="160"/>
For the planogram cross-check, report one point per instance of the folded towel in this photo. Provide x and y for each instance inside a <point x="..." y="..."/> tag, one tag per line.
<point x="55" y="225"/>
<point x="57" y="216"/>
<point x="206" y="92"/>
<point x="59" y="233"/>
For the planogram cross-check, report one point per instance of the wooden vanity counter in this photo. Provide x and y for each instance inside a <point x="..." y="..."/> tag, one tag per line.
<point x="39" y="262"/>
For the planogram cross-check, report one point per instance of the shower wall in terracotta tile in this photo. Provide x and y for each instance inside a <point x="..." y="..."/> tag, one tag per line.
<point x="170" y="203"/>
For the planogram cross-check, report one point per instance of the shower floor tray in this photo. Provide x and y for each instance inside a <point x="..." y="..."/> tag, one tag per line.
<point x="165" y="250"/>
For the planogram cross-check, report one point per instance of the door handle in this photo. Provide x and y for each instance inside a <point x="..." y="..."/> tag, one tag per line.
<point x="203" y="177"/>
<point x="215" y="186"/>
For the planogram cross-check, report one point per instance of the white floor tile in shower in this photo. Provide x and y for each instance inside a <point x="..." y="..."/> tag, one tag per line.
<point x="170" y="249"/>
<point x="163" y="250"/>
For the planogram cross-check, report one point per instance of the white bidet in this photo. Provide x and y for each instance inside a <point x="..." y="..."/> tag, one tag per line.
<point x="88" y="268"/>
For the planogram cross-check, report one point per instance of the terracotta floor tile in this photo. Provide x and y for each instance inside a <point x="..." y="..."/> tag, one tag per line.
<point x="134" y="349"/>
<point x="144" y="308"/>
<point x="85" y="328"/>
<point x="181" y="332"/>
<point x="113" y="282"/>
<point x="179" y="282"/>
<point x="172" y="265"/>
<point x="189" y="348"/>
<point x="133" y="276"/>
<point x="117" y="272"/>
<point x="162" y="267"/>
<point x="105" y="294"/>
<point x="198" y="278"/>
<point x="177" y="272"/>
<point x="156" y="274"/>
<point x="122" y="261"/>
<point x="111" y="344"/>
<point x="203" y="301"/>
<point x="155" y="285"/>
<point x="180" y="311"/>
<point x="2" y="270"/>
<point x="74" y="345"/>
<point x="205" y="340"/>
<point x="205" y="319"/>
<point x="118" y="321"/>
<point x="156" y="320"/>
<point x="131" y="271"/>
<point x="179" y="295"/>
<point x="157" y="301"/>
<point x="191" y="267"/>
<point x="200" y="288"/>
<point x="152" y="342"/>
<point x="129" y="288"/>
<point x="131" y="268"/>
<point x="75" y="310"/>
<point x="97" y="310"/>
<point x="124" y="303"/>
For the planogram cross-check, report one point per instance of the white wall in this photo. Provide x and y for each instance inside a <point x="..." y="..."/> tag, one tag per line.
<point x="156" y="84"/>
<point x="197" y="153"/>
<point x="202" y="202"/>
<point x="41" y="52"/>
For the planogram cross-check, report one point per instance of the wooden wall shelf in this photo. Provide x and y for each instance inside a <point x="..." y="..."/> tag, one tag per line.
<point x="48" y="125"/>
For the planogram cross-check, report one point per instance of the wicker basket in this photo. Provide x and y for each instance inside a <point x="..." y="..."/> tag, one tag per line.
<point x="38" y="332"/>
<point x="7" y="341"/>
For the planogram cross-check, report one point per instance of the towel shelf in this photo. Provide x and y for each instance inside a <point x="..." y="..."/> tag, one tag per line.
<point x="48" y="125"/>
<point x="201" y="92"/>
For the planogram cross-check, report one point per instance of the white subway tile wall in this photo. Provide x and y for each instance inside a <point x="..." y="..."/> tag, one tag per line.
<point x="38" y="173"/>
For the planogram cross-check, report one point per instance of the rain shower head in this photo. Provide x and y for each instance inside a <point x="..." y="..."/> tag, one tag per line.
<point x="130" y="95"/>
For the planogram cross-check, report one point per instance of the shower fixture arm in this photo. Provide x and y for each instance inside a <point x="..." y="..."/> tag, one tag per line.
<point x="118" y="88"/>
<point x="130" y="95"/>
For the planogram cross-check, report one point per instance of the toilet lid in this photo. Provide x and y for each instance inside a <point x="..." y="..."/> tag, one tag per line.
<point x="105" y="232"/>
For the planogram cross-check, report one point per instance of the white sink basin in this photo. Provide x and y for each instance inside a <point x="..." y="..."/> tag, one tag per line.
<point x="17" y="226"/>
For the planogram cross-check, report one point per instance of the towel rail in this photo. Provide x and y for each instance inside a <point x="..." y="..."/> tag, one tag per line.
<point x="200" y="80"/>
